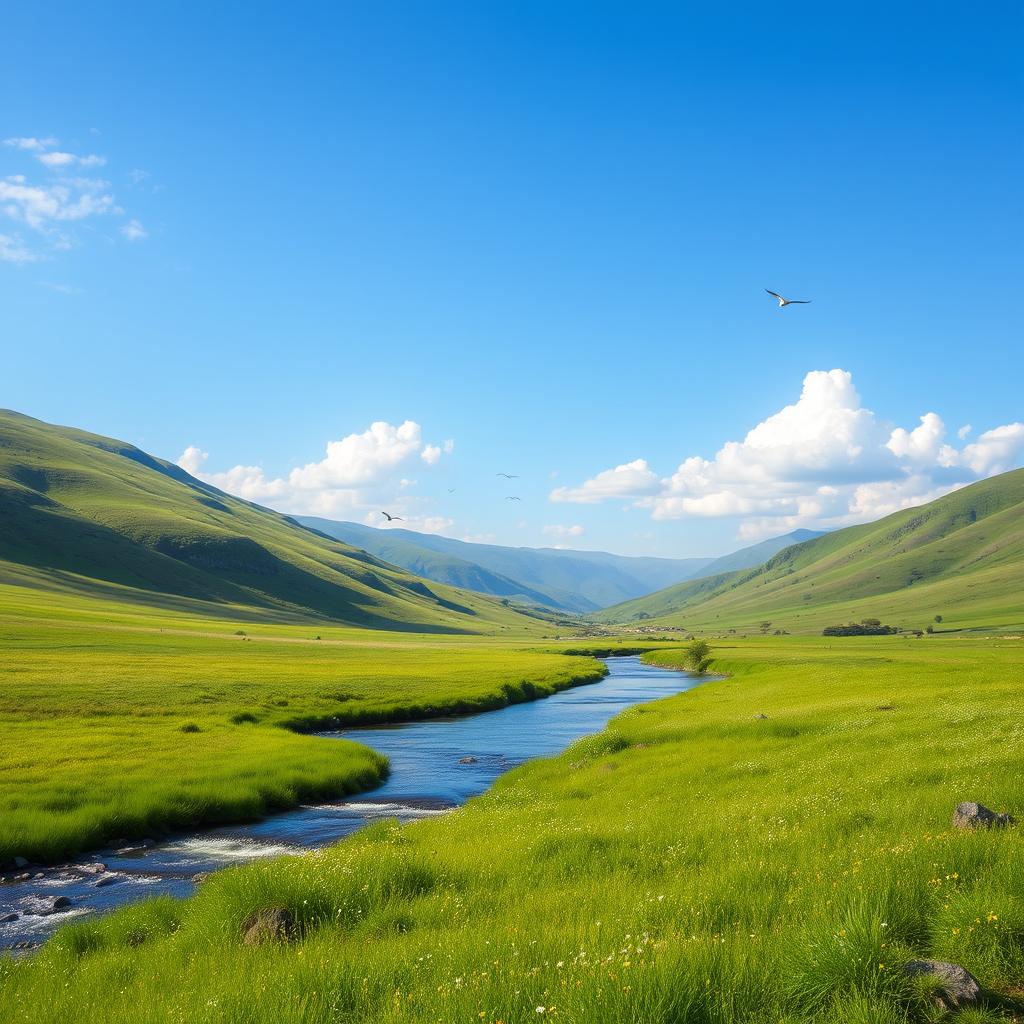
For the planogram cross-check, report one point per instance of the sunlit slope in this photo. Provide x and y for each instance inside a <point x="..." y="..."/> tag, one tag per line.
<point x="90" y="514"/>
<point x="961" y="557"/>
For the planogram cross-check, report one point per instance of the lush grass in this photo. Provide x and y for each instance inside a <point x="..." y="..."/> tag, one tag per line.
<point x="120" y="722"/>
<point x="960" y="557"/>
<point x="694" y="863"/>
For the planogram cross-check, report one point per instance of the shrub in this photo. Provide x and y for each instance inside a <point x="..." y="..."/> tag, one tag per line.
<point x="698" y="657"/>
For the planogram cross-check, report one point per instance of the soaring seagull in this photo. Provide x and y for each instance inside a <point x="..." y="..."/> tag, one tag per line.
<point x="513" y="498"/>
<point x="392" y="519"/>
<point x="508" y="476"/>
<point x="787" y="302"/>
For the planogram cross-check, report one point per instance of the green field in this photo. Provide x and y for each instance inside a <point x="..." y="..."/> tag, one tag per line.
<point x="692" y="863"/>
<point x="118" y="722"/>
<point x="959" y="557"/>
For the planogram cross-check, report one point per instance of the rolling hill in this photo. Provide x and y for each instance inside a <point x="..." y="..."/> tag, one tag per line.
<point x="577" y="581"/>
<point x="756" y="554"/>
<point x="97" y="516"/>
<point x="961" y="557"/>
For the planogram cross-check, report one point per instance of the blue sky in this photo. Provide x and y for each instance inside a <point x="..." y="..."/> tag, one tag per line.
<point x="538" y="231"/>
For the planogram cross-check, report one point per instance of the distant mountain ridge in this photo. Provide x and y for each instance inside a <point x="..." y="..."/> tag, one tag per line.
<point x="566" y="579"/>
<point x="577" y="581"/>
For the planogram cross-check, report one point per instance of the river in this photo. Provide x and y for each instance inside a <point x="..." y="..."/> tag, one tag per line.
<point x="435" y="766"/>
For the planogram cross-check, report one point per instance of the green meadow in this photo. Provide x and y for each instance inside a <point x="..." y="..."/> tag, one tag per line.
<point x="119" y="722"/>
<point x="696" y="862"/>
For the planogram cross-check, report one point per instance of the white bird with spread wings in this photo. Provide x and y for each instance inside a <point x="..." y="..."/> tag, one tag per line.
<point x="787" y="302"/>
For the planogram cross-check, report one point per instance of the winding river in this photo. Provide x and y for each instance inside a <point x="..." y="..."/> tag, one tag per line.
<point x="435" y="766"/>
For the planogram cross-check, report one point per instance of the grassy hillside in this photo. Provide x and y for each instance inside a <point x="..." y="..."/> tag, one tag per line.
<point x="693" y="863"/>
<point x="756" y="554"/>
<point x="84" y="513"/>
<point x="579" y="581"/>
<point x="120" y="720"/>
<point x="961" y="557"/>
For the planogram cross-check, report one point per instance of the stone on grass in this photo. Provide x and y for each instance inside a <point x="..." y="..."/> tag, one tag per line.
<point x="268" y="924"/>
<point x="974" y="815"/>
<point x="955" y="987"/>
<point x="761" y="716"/>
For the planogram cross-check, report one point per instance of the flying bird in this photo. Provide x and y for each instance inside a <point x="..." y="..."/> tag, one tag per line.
<point x="392" y="519"/>
<point x="451" y="490"/>
<point x="508" y="476"/>
<point x="787" y="302"/>
<point x="513" y="498"/>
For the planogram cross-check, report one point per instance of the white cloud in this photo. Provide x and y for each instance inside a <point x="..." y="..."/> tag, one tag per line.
<point x="134" y="231"/>
<point x="12" y="250"/>
<point x="56" y="159"/>
<point x="995" y="451"/>
<point x="563" y="532"/>
<point x="52" y="205"/>
<point x="33" y="145"/>
<point x="825" y="460"/>
<point x="360" y="472"/>
<point x="630" y="480"/>
<point x="964" y="431"/>
<point x="192" y="458"/>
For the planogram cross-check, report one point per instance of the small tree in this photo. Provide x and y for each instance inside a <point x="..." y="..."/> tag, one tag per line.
<point x="698" y="657"/>
<point x="765" y="626"/>
<point x="871" y="623"/>
<point x="938" y="618"/>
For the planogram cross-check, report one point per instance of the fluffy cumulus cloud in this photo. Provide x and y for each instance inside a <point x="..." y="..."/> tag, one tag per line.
<point x="826" y="460"/>
<point x="358" y="475"/>
<point x="48" y="201"/>
<point x="630" y="480"/>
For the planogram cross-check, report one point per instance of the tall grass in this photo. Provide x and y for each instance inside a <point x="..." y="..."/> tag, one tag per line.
<point x="695" y="863"/>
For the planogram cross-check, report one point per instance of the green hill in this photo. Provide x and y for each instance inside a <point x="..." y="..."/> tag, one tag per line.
<point x="578" y="581"/>
<point x="92" y="515"/>
<point x="961" y="557"/>
<point x="756" y="554"/>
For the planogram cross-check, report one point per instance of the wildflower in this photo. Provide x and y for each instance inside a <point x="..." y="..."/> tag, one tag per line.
<point x="540" y="1009"/>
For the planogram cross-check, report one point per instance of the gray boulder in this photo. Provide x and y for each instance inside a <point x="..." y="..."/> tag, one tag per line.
<point x="955" y="987"/>
<point x="7" y="918"/>
<point x="975" y="815"/>
<point x="269" y="924"/>
<point x="468" y="759"/>
<point x="56" y="905"/>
